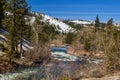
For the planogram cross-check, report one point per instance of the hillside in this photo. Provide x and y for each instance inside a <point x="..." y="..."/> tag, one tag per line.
<point x="60" y="26"/>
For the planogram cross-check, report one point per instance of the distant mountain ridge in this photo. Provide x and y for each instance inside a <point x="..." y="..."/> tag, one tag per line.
<point x="82" y="22"/>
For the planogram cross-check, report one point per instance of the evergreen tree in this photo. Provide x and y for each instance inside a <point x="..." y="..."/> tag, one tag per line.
<point x="1" y="12"/>
<point x="37" y="24"/>
<point x="12" y="39"/>
<point x="44" y="32"/>
<point x="29" y="31"/>
<point x="97" y="23"/>
<point x="70" y="37"/>
<point x="12" y="31"/>
<point x="110" y="22"/>
<point x="19" y="9"/>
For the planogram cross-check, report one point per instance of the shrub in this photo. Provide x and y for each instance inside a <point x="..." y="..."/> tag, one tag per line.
<point x="70" y="37"/>
<point x="96" y="74"/>
<point x="39" y="54"/>
<point x="21" y="77"/>
<point x="3" y="48"/>
<point x="112" y="50"/>
<point x="52" y="73"/>
<point x="87" y="45"/>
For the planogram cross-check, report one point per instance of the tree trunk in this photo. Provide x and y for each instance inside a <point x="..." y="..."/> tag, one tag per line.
<point x="21" y="50"/>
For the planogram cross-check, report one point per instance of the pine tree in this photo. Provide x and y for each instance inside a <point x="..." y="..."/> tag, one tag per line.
<point x="12" y="31"/>
<point x="12" y="35"/>
<point x="22" y="27"/>
<point x="37" y="25"/>
<point x="110" y="22"/>
<point x="97" y="23"/>
<point x="97" y="27"/>
<point x="44" y="32"/>
<point x="1" y="12"/>
<point x="70" y="37"/>
<point x="19" y="9"/>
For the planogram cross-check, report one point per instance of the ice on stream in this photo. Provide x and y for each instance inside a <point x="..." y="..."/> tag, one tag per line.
<point x="12" y="76"/>
<point x="63" y="56"/>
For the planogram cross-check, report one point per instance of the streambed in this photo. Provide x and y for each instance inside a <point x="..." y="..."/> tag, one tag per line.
<point x="63" y="61"/>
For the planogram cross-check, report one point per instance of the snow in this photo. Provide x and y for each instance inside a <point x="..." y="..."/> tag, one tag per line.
<point x="32" y="20"/>
<point x="4" y="31"/>
<point x="81" y="22"/>
<point x="25" y="45"/>
<point x="1" y="53"/>
<point x="63" y="56"/>
<point x="12" y="76"/>
<point x="3" y="38"/>
<point x="60" y="26"/>
<point x="117" y="24"/>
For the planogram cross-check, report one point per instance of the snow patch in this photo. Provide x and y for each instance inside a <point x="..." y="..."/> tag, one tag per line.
<point x="81" y="22"/>
<point x="63" y="56"/>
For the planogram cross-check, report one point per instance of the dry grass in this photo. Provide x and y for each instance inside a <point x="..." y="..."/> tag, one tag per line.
<point x="52" y="73"/>
<point x="39" y="55"/>
<point x="64" y="72"/>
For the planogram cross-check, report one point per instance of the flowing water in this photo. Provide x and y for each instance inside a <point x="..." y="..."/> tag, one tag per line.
<point x="64" y="62"/>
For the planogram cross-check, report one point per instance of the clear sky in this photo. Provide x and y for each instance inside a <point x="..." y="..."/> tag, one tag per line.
<point x="78" y="9"/>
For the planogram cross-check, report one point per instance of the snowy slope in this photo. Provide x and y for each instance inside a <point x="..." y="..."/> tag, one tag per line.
<point x="3" y="38"/>
<point x="26" y="44"/>
<point x="81" y="22"/>
<point x="117" y="24"/>
<point x="60" y="26"/>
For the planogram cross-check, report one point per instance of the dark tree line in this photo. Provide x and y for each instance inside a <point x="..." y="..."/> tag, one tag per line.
<point x="1" y="12"/>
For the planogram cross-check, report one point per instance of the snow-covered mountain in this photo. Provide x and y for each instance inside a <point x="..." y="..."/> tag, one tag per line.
<point x="117" y="24"/>
<point x="82" y="22"/>
<point x="60" y="26"/>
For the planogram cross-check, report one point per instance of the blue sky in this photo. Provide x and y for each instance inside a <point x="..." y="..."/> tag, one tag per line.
<point x="78" y="9"/>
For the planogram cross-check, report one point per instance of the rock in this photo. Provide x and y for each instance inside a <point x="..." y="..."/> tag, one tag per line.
<point x="99" y="55"/>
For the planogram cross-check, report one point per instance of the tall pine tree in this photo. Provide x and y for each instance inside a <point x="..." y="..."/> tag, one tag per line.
<point x="19" y="9"/>
<point x="97" y="23"/>
<point x="1" y="12"/>
<point x="110" y="22"/>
